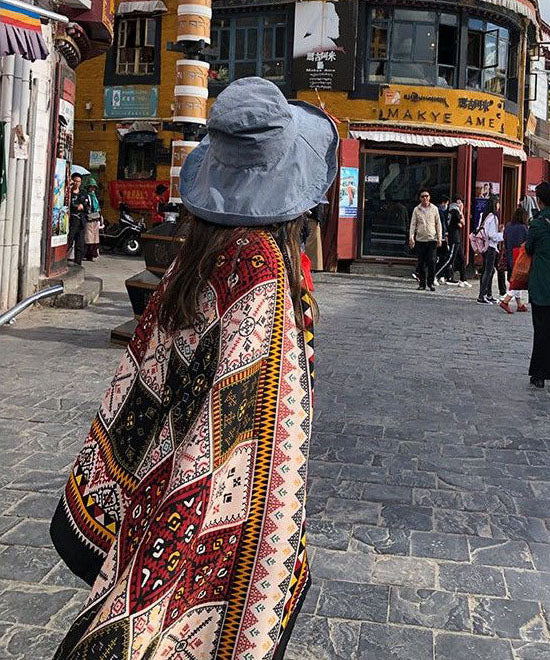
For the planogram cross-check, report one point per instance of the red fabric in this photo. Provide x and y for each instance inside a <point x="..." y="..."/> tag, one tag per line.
<point x="522" y="267"/>
<point x="306" y="271"/>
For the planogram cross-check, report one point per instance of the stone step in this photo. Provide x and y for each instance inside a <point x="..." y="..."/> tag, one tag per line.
<point x="85" y="294"/>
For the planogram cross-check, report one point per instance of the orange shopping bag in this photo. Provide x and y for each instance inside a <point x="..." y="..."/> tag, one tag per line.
<point x="522" y="267"/>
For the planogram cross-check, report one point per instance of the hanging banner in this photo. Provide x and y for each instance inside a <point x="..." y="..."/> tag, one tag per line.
<point x="138" y="195"/>
<point x="324" y="45"/>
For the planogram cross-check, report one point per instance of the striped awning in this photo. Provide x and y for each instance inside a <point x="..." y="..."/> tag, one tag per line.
<point x="433" y="140"/>
<point x="21" y="32"/>
<point x="523" y="7"/>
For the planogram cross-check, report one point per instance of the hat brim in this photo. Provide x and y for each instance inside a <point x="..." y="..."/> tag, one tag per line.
<point x="274" y="192"/>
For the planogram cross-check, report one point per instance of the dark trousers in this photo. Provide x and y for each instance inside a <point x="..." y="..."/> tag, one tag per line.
<point x="487" y="273"/>
<point x="540" y="359"/>
<point x="76" y="237"/>
<point x="426" y="260"/>
<point x="502" y="289"/>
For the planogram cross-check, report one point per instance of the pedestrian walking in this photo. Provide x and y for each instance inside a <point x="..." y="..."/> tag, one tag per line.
<point x="426" y="235"/>
<point x="490" y="224"/>
<point x="456" y="260"/>
<point x="94" y="221"/>
<point x="77" y="219"/>
<point x="443" y="251"/>
<point x="538" y="245"/>
<point x="515" y="235"/>
<point x="185" y="508"/>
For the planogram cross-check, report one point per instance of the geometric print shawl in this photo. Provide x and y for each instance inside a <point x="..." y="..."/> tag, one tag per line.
<point x="185" y="509"/>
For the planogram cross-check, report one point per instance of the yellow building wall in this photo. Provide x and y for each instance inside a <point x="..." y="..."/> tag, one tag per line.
<point x="94" y="133"/>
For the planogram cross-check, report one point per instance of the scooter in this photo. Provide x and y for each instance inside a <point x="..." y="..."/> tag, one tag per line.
<point x="124" y="235"/>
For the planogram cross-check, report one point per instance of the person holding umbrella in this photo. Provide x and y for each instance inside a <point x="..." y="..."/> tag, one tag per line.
<point x="93" y="222"/>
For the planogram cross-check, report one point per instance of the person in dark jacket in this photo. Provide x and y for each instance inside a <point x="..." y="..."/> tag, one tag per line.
<point x="77" y="219"/>
<point x="538" y="245"/>
<point x="515" y="234"/>
<point x="455" y="259"/>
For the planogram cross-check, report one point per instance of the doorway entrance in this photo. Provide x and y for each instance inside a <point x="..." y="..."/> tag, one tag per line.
<point x="509" y="201"/>
<point x="391" y="183"/>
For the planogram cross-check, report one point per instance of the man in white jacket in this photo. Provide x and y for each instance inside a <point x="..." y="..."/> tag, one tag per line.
<point x="425" y="234"/>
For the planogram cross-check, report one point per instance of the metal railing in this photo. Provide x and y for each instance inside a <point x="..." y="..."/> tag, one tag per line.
<point x="8" y="316"/>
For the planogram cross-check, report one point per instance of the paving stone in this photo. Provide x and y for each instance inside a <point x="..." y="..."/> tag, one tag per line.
<point x="27" y="564"/>
<point x="61" y="576"/>
<point x="7" y="522"/>
<point x="387" y="642"/>
<point x="467" y="647"/>
<point x="326" y="534"/>
<point x="439" y="546"/>
<point x="541" y="556"/>
<point x="533" y="508"/>
<point x="403" y="516"/>
<point x="40" y="480"/>
<point x="380" y="493"/>
<point x="318" y="638"/>
<point x="405" y="571"/>
<point x="382" y="540"/>
<point x="531" y="650"/>
<point x="312" y="597"/>
<point x="346" y="600"/>
<point x="29" y="643"/>
<point x="348" y="566"/>
<point x="32" y="605"/>
<point x="520" y="528"/>
<point x="443" y="499"/>
<point x="528" y="585"/>
<point x="352" y="512"/>
<point x="429" y="609"/>
<point x="493" y="501"/>
<point x="39" y="506"/>
<point x="472" y="579"/>
<point x="34" y="533"/>
<point x="323" y="487"/>
<point x="461" y="522"/>
<point x="515" y="619"/>
<point x="497" y="552"/>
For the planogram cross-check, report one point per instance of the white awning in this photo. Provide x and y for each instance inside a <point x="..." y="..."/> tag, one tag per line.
<point x="434" y="141"/>
<point x="523" y="7"/>
<point x="141" y="7"/>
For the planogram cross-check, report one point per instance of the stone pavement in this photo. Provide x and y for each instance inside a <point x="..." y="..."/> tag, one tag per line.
<point x="429" y="492"/>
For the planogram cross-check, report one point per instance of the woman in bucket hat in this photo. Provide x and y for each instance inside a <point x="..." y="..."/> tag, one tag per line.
<point x="94" y="221"/>
<point x="185" y="508"/>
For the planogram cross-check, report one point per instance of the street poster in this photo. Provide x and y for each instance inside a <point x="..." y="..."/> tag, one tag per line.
<point x="324" y="45"/>
<point x="349" y="187"/>
<point x="60" y="214"/>
<point x="487" y="189"/>
<point x="97" y="159"/>
<point x="130" y="101"/>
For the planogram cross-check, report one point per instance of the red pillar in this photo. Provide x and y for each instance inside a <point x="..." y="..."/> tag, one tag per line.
<point x="346" y="239"/>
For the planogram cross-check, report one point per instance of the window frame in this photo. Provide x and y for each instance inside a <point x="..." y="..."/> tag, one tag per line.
<point x="287" y="20"/>
<point x="111" y="77"/>
<point x="366" y="88"/>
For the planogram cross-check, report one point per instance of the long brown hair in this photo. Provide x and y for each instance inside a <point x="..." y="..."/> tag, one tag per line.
<point x="195" y="262"/>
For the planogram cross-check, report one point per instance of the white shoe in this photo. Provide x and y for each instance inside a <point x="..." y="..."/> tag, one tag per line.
<point x="461" y="285"/>
<point x="466" y="284"/>
<point x="442" y="280"/>
<point x="436" y="283"/>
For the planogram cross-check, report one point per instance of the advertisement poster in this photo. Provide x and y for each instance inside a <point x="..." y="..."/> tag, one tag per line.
<point x="486" y="189"/>
<point x="138" y="195"/>
<point x="97" y="159"/>
<point x="60" y="222"/>
<point x="480" y="206"/>
<point x="349" y="189"/>
<point x="130" y="102"/>
<point x="324" y="45"/>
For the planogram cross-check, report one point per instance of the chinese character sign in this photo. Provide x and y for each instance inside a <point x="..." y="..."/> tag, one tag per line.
<point x="324" y="45"/>
<point x="130" y="102"/>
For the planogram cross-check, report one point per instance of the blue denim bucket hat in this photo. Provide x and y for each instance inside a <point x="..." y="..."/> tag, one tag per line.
<point x="265" y="160"/>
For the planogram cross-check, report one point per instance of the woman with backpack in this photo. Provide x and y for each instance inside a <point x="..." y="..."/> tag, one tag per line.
<point x="490" y="226"/>
<point x="538" y="246"/>
<point x="515" y="235"/>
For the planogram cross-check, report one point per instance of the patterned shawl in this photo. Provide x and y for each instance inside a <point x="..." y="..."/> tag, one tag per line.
<point x="185" y="507"/>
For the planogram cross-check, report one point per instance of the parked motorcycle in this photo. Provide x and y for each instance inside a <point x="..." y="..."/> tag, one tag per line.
<point x="124" y="235"/>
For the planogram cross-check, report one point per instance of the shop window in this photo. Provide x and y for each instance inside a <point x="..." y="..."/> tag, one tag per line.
<point x="138" y="157"/>
<point x="249" y="46"/>
<point x="412" y="47"/>
<point x="488" y="57"/>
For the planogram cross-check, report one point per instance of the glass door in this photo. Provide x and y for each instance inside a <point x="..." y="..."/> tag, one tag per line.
<point x="392" y="182"/>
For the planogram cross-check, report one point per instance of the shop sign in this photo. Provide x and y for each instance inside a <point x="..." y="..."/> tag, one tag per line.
<point x="138" y="195"/>
<point x="130" y="101"/>
<point x="349" y="187"/>
<point x="97" y="159"/>
<point x="324" y="45"/>
<point x="451" y="109"/>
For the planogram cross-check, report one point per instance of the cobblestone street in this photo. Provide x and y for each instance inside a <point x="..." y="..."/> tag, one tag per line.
<point x="429" y="496"/>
